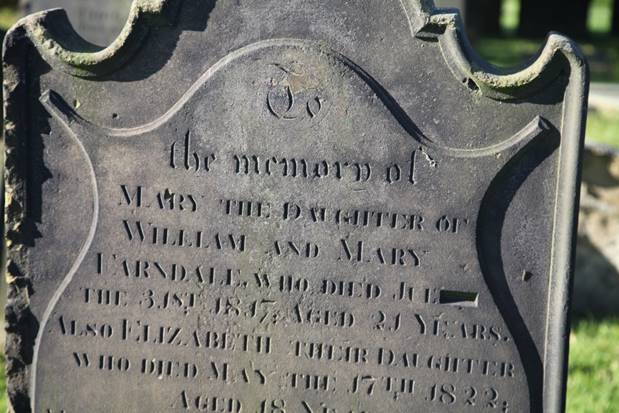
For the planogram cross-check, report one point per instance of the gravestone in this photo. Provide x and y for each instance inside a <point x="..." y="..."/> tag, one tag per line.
<point x="287" y="206"/>
<point x="98" y="21"/>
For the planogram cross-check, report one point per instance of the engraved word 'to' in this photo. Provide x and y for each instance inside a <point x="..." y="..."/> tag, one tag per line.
<point x="295" y="95"/>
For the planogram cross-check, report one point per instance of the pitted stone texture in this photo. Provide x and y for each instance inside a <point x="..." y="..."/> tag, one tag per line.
<point x="288" y="206"/>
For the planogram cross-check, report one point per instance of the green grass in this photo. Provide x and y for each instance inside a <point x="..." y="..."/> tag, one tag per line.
<point x="510" y="51"/>
<point x="8" y="16"/>
<point x="510" y="15"/>
<point x="3" y="399"/>
<point x="599" y="19"/>
<point x="507" y="52"/>
<point x="593" y="385"/>
<point x="603" y="54"/>
<point x="603" y="127"/>
<point x="600" y="16"/>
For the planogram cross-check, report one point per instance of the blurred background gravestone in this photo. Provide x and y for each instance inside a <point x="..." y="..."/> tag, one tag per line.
<point x="480" y="16"/>
<point x="98" y="21"/>
<point x="566" y="16"/>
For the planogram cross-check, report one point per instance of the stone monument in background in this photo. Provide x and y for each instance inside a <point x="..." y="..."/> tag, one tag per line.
<point x="98" y="21"/>
<point x="287" y="206"/>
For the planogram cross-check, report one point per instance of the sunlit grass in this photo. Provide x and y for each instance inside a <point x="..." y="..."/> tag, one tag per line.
<point x="8" y="16"/>
<point x="600" y="16"/>
<point x="599" y="20"/>
<point x="3" y="396"/>
<point x="510" y="15"/>
<point x="593" y="385"/>
<point x="603" y="127"/>
<point x="507" y="51"/>
<point x="603" y="54"/>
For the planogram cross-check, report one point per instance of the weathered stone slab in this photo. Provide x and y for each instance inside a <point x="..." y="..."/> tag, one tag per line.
<point x="453" y="4"/>
<point x="300" y="206"/>
<point x="98" y="21"/>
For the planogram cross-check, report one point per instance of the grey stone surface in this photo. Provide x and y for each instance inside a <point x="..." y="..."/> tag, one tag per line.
<point x="287" y="206"/>
<point x="98" y="21"/>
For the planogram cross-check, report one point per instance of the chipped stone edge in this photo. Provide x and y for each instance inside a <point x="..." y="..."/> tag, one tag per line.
<point x="72" y="54"/>
<point x="558" y="55"/>
<point x="427" y="22"/>
<point x="561" y="273"/>
<point x="16" y="125"/>
<point x="29" y="34"/>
